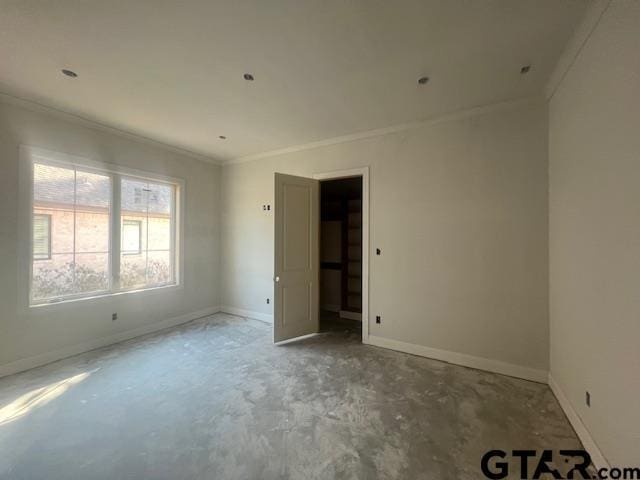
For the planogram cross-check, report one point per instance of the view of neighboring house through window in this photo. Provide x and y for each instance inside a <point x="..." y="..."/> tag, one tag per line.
<point x="72" y="232"/>
<point x="77" y="205"/>
<point x="41" y="236"/>
<point x="147" y="226"/>
<point x="131" y="237"/>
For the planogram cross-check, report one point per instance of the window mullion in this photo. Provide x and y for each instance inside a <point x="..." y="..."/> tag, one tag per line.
<point x="75" y="206"/>
<point x="116" y="203"/>
<point x="146" y="244"/>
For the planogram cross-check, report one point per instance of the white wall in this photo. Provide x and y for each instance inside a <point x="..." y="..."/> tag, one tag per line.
<point x="464" y="268"/>
<point x="29" y="335"/>
<point x="594" y="154"/>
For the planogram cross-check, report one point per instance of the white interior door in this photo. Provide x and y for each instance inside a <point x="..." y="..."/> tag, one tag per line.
<point x="297" y="256"/>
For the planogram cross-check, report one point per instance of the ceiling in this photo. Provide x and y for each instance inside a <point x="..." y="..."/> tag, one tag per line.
<point x="173" y="71"/>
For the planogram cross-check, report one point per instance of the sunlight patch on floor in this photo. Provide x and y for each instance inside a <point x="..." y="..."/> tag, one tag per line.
<point x="38" y="397"/>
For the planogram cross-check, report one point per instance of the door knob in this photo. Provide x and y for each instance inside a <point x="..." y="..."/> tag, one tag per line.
<point x="277" y="279"/>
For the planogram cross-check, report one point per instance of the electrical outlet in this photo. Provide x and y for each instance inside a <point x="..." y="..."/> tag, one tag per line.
<point x="114" y="316"/>
<point x="268" y="301"/>
<point x="378" y="319"/>
<point x="587" y="398"/>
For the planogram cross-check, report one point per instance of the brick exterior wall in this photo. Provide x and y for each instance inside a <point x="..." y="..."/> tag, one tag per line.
<point x="55" y="276"/>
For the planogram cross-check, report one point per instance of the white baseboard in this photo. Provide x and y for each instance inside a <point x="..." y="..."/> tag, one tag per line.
<point x="581" y="430"/>
<point x="351" y="315"/>
<point x="465" y="360"/>
<point x="480" y="363"/>
<point x="263" y="317"/>
<point x="330" y="307"/>
<point x="48" y="357"/>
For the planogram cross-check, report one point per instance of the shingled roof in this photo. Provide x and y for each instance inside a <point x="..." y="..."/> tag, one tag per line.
<point x="75" y="187"/>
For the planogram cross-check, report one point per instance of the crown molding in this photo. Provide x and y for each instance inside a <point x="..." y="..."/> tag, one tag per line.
<point x="575" y="45"/>
<point x="460" y="114"/>
<point x="457" y="115"/>
<point x="78" y="119"/>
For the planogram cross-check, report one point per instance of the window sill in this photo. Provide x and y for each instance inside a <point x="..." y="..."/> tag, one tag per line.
<point x="106" y="295"/>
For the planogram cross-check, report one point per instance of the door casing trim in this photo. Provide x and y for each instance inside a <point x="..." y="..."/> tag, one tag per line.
<point x="364" y="173"/>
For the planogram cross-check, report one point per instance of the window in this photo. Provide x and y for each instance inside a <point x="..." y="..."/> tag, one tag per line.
<point x="131" y="237"/>
<point x="146" y="211"/>
<point x="74" y="250"/>
<point x="77" y="202"/>
<point x="41" y="236"/>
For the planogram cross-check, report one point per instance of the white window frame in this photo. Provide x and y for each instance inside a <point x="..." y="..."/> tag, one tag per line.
<point x="31" y="155"/>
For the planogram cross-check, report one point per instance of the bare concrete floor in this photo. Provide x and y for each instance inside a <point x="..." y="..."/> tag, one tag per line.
<point x="214" y="399"/>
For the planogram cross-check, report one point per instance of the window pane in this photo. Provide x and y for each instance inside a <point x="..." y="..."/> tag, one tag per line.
<point x="133" y="271"/>
<point x="41" y="236"/>
<point x="131" y="237"/>
<point x="92" y="230"/>
<point x="92" y="212"/>
<point x="53" y="278"/>
<point x="147" y="257"/>
<point x="93" y="190"/>
<point x="76" y="234"/>
<point x="133" y="261"/>
<point x="133" y="195"/>
<point x="160" y="198"/>
<point x="159" y="268"/>
<point x="159" y="233"/>
<point x="91" y="272"/>
<point x="53" y="186"/>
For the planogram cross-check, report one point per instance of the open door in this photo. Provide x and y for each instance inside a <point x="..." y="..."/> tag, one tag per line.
<point x="297" y="257"/>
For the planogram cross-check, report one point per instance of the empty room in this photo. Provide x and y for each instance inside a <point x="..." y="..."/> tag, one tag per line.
<point x="304" y="239"/>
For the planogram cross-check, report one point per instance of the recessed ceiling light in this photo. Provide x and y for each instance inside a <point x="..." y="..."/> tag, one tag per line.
<point x="248" y="76"/>
<point x="423" y="80"/>
<point x="525" y="69"/>
<point x="69" y="73"/>
<point x="222" y="137"/>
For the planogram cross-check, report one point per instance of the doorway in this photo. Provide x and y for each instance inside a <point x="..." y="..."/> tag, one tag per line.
<point x="297" y="238"/>
<point x="341" y="255"/>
